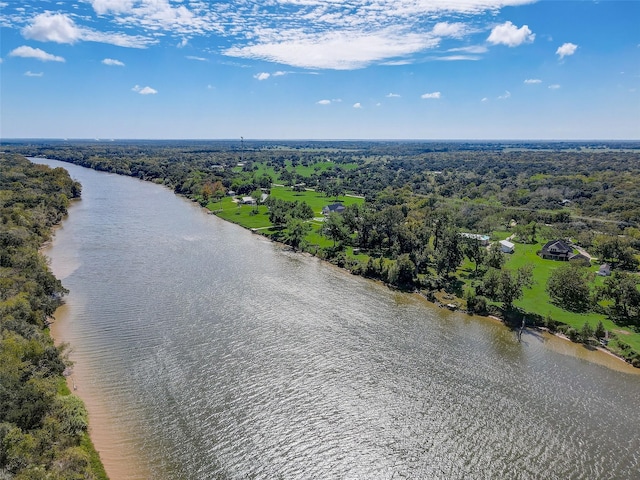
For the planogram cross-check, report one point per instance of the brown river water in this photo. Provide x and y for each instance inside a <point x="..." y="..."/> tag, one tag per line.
<point x="203" y="351"/>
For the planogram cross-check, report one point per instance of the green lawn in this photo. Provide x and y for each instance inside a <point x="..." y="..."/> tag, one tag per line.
<point x="316" y="200"/>
<point x="537" y="300"/>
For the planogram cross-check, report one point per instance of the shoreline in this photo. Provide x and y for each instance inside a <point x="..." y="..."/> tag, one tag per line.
<point x="109" y="439"/>
<point x="624" y="367"/>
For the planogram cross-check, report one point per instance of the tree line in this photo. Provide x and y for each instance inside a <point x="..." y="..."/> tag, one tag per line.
<point x="43" y="428"/>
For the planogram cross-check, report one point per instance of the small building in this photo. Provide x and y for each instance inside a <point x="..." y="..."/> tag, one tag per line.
<point x="604" y="270"/>
<point x="556" y="250"/>
<point x="248" y="201"/>
<point x="334" y="207"/>
<point x="506" y="246"/>
<point x="482" y="239"/>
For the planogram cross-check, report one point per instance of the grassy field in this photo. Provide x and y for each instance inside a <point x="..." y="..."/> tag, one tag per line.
<point x="246" y="216"/>
<point x="302" y="170"/>
<point x="536" y="299"/>
<point x="316" y="200"/>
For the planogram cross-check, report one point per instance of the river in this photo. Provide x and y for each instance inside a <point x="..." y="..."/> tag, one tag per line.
<point x="204" y="351"/>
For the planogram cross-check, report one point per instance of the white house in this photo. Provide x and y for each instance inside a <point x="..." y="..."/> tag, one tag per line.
<point x="482" y="239"/>
<point x="506" y="246"/>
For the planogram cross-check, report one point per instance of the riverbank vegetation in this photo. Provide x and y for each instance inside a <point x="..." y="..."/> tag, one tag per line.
<point x="43" y="427"/>
<point x="409" y="208"/>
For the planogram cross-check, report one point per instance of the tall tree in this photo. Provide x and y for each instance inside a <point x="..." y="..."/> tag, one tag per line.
<point x="295" y="232"/>
<point x="568" y="287"/>
<point x="334" y="228"/>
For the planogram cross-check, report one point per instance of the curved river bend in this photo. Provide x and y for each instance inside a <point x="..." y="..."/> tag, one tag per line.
<point x="204" y="351"/>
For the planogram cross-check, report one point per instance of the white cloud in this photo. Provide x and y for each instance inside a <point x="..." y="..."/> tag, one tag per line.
<point x="199" y="59"/>
<point x="310" y="34"/>
<point x="116" y="6"/>
<point x="392" y="95"/>
<point x="431" y="95"/>
<point x="336" y="50"/>
<point x="510" y="35"/>
<point x="357" y="105"/>
<point x="279" y="73"/>
<point x="323" y="102"/>
<point x="112" y="62"/>
<point x="31" y="74"/>
<point x="144" y="90"/>
<point x="531" y="81"/>
<point x="446" y="29"/>
<point x="262" y="76"/>
<point x="566" y="49"/>
<point x="475" y="49"/>
<point x="507" y="94"/>
<point x="455" y="58"/>
<point x="52" y="27"/>
<point x="484" y="100"/>
<point x="554" y="86"/>
<point x="60" y="28"/>
<point x="30" y="52"/>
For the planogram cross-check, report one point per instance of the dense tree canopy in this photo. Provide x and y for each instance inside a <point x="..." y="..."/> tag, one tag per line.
<point x="43" y="434"/>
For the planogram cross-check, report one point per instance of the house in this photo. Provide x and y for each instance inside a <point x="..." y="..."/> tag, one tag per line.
<point x="248" y="201"/>
<point x="604" y="270"/>
<point x="506" y="246"/>
<point x="334" y="207"/>
<point x="482" y="239"/>
<point x="556" y="250"/>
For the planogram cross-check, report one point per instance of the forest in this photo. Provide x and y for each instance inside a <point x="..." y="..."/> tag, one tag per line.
<point x="43" y="427"/>
<point x="414" y="213"/>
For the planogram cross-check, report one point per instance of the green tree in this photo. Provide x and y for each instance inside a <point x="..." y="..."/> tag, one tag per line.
<point x="600" y="332"/>
<point x="334" y="228"/>
<point x="622" y="288"/>
<point x="586" y="332"/>
<point x="511" y="285"/>
<point x="494" y="258"/>
<point x="474" y="251"/>
<point x="568" y="287"/>
<point x="449" y="253"/>
<point x="402" y="272"/>
<point x="295" y="232"/>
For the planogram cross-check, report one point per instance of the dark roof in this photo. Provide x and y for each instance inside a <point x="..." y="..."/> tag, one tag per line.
<point x="334" y="207"/>
<point x="559" y="246"/>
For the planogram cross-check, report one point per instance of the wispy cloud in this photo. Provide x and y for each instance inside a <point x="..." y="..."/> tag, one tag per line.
<point x="510" y="35"/>
<point x="555" y="86"/>
<point x="262" y="76"/>
<point x="144" y="90"/>
<point x="324" y="102"/>
<point x="198" y="59"/>
<point x="309" y="34"/>
<point x="566" y="50"/>
<point x="392" y="95"/>
<point x="32" y="74"/>
<point x="112" y="62"/>
<point x="455" y="58"/>
<point x="30" y="52"/>
<point x="505" y="95"/>
<point x="431" y="95"/>
<point x="532" y="81"/>
<point x="357" y="105"/>
<point x="61" y="28"/>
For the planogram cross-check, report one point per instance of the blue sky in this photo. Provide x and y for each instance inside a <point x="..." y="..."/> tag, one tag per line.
<point x="320" y="69"/>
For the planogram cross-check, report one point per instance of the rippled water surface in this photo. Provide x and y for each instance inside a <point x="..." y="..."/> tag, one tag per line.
<point x="204" y="351"/>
